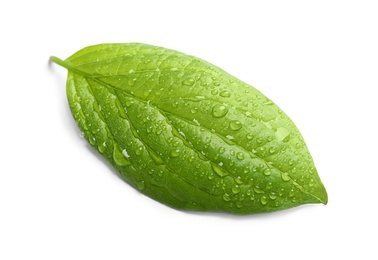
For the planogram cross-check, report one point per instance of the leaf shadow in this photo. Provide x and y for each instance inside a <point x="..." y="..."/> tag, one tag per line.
<point x="257" y="216"/>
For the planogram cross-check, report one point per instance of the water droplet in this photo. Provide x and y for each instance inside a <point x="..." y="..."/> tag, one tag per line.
<point x="258" y="190"/>
<point x="226" y="197"/>
<point x="285" y="176"/>
<point x="249" y="136"/>
<point x="128" y="103"/>
<point x="272" y="195"/>
<point x="236" y="189"/>
<point x="214" y="92"/>
<point x="102" y="147"/>
<point x="219" y="111"/>
<point x="141" y="185"/>
<point x="268" y="102"/>
<point x="188" y="82"/>
<point x="216" y="83"/>
<point x="259" y="140"/>
<point x="124" y="152"/>
<point x="235" y="125"/>
<point x="225" y="94"/>
<point x="218" y="170"/>
<point x="131" y="71"/>
<point x="139" y="150"/>
<point x="238" y="180"/>
<point x="267" y="172"/>
<point x="194" y="110"/>
<point x="264" y="200"/>
<point x="240" y="156"/>
<point x="222" y="150"/>
<point x="272" y="150"/>
<point x="239" y="204"/>
<point x="119" y="158"/>
<point x="175" y="153"/>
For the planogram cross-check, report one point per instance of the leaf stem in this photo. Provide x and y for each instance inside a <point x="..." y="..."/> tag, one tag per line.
<point x="69" y="67"/>
<point x="60" y="62"/>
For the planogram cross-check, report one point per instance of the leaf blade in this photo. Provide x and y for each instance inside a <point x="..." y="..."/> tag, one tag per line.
<point x="199" y="110"/>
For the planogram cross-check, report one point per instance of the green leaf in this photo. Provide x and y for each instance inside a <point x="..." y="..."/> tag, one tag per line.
<point x="188" y="134"/>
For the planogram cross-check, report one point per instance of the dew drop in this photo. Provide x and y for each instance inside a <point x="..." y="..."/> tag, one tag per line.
<point x="219" y="111"/>
<point x="194" y="110"/>
<point x="239" y="204"/>
<point x="272" y="150"/>
<point x="267" y="172"/>
<point x="235" y="125"/>
<point x="188" y="82"/>
<point x="214" y="92"/>
<point x="175" y="153"/>
<point x="226" y="197"/>
<point x="240" y="156"/>
<point x="236" y="189"/>
<point x="249" y="136"/>
<point x="219" y="171"/>
<point x="139" y="150"/>
<point x="124" y="152"/>
<point x="264" y="200"/>
<point x="102" y="147"/>
<point x="128" y="103"/>
<point x="225" y="93"/>
<point x="238" y="180"/>
<point x="258" y="190"/>
<point x="285" y="176"/>
<point x="141" y="185"/>
<point x="272" y="195"/>
<point x="119" y="158"/>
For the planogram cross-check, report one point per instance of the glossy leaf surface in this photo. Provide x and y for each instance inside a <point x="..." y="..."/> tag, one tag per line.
<point x="188" y="134"/>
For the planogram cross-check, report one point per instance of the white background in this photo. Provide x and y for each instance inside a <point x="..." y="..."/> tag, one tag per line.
<point x="318" y="60"/>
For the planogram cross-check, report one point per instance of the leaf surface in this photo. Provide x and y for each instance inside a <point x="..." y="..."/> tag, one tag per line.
<point x="188" y="134"/>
